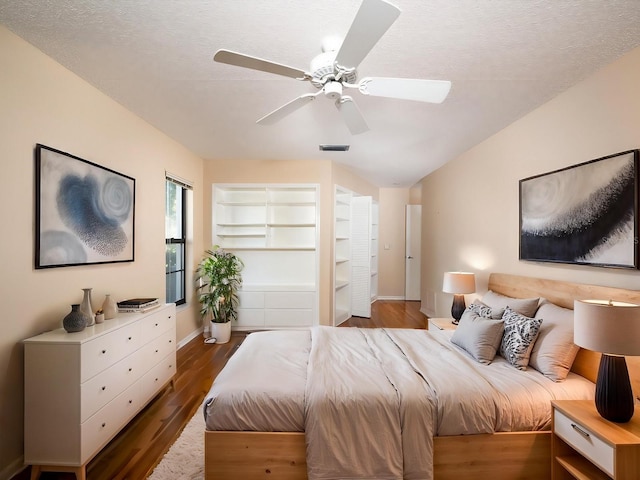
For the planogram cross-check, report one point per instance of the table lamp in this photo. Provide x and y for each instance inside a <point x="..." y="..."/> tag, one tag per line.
<point x="612" y="328"/>
<point x="458" y="283"/>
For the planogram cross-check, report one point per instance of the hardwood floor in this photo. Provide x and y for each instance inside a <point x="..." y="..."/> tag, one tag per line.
<point x="139" y="447"/>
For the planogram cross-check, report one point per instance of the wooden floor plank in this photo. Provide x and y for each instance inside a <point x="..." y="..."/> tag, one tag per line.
<point x="136" y="450"/>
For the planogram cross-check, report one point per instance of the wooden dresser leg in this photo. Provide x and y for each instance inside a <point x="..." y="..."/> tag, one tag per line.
<point x="79" y="472"/>
<point x="35" y="472"/>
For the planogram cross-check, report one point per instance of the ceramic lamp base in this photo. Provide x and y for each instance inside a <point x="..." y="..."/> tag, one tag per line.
<point x="457" y="308"/>
<point x="614" y="397"/>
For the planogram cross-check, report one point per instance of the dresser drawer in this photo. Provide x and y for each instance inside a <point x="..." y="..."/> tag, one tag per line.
<point x="158" y="376"/>
<point x="157" y="323"/>
<point x="105" y="386"/>
<point x="106" y="350"/>
<point x="103" y="425"/>
<point x="157" y="349"/>
<point x="584" y="441"/>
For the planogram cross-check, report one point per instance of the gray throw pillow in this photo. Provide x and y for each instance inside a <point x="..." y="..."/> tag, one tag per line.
<point x="554" y="351"/>
<point x="524" y="306"/>
<point x="520" y="334"/>
<point x="479" y="336"/>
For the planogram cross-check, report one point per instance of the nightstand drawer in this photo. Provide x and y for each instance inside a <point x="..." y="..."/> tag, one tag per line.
<point x="584" y="441"/>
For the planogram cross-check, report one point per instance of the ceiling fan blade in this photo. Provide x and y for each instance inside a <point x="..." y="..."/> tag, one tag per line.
<point x="247" y="61"/>
<point x="288" y="108"/>
<point x="432" y="91"/>
<point x="371" y="22"/>
<point x="351" y="115"/>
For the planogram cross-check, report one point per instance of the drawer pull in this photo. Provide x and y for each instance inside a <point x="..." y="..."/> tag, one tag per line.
<point x="156" y="350"/>
<point x="104" y="388"/>
<point x="130" y="402"/>
<point x="104" y="425"/>
<point x="130" y="338"/>
<point x="156" y="324"/>
<point x="104" y="351"/>
<point x="582" y="432"/>
<point x="130" y="369"/>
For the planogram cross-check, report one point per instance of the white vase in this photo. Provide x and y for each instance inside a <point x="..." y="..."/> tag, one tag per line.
<point x="221" y="331"/>
<point x="109" y="307"/>
<point x="85" y="306"/>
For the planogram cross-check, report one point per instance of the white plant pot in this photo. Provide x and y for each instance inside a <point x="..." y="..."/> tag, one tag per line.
<point x="221" y="331"/>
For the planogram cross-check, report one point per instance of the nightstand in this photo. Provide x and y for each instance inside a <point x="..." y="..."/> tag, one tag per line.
<point x="585" y="446"/>
<point x="442" y="323"/>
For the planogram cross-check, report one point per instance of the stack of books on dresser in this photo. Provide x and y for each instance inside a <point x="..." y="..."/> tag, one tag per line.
<point x="139" y="305"/>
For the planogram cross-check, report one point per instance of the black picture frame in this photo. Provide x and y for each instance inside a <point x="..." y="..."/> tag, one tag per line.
<point x="586" y="214"/>
<point x="84" y="212"/>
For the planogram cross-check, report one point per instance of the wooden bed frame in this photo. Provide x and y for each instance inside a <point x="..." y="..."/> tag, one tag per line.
<point x="499" y="456"/>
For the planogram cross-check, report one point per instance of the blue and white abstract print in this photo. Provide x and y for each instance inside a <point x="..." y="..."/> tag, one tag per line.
<point x="86" y="212"/>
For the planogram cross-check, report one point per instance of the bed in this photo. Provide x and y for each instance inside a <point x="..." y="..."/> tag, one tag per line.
<point x="255" y="441"/>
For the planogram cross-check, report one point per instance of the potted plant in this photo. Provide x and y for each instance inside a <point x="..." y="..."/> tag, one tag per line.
<point x="218" y="278"/>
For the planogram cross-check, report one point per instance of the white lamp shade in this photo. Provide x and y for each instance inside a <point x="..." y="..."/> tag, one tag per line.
<point x="459" y="282"/>
<point x="608" y="327"/>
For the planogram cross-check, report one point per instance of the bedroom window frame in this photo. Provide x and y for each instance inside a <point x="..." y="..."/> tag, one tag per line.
<point x="176" y="240"/>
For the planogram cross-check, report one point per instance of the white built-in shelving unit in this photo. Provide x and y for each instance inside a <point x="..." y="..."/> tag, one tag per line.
<point x="342" y="255"/>
<point x="356" y="254"/>
<point x="273" y="228"/>
<point x="375" y="233"/>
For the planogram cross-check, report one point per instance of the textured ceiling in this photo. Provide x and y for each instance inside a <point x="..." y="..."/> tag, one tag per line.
<point x="503" y="57"/>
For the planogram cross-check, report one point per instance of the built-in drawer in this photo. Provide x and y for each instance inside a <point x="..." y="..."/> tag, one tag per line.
<point x="251" y="299"/>
<point x="157" y="323"/>
<point x="584" y="441"/>
<point x="288" y="317"/>
<point x="100" y="353"/>
<point x="289" y="299"/>
<point x="105" y="386"/>
<point x="248" y="317"/>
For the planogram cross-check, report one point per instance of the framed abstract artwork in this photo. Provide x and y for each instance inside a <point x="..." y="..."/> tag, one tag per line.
<point x="583" y="214"/>
<point x="84" y="212"/>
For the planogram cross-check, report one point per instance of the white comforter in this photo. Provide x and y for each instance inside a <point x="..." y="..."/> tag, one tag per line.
<point x="370" y="401"/>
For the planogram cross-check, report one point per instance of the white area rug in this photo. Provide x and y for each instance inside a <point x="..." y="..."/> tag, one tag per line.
<point x="185" y="458"/>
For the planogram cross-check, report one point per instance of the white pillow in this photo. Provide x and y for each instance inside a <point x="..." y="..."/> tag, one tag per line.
<point x="554" y="351"/>
<point x="520" y="334"/>
<point x="524" y="306"/>
<point x="479" y="336"/>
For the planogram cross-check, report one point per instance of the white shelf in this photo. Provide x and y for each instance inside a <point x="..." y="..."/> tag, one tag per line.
<point x="273" y="228"/>
<point x="342" y="255"/>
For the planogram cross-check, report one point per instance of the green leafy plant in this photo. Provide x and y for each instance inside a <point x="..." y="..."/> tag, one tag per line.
<point x="218" y="278"/>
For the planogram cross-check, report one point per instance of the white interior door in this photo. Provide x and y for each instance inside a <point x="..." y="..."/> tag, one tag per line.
<point x="412" y="252"/>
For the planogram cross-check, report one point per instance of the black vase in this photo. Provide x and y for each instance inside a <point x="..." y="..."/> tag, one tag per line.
<point x="75" y="321"/>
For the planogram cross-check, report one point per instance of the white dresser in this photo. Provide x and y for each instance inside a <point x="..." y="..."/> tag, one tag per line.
<point x="82" y="388"/>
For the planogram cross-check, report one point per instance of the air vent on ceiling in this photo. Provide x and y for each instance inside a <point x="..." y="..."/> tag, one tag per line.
<point x="334" y="148"/>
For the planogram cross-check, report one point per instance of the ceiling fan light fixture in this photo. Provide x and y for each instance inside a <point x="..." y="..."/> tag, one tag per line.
<point x="333" y="148"/>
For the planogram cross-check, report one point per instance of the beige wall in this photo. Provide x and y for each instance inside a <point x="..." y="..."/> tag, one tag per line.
<point x="470" y="206"/>
<point x="42" y="102"/>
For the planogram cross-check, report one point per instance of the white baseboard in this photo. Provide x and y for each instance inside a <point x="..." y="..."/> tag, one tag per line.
<point x="189" y="337"/>
<point x="13" y="469"/>
<point x="392" y="298"/>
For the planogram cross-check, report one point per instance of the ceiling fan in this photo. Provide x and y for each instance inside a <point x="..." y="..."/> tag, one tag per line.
<point x="334" y="70"/>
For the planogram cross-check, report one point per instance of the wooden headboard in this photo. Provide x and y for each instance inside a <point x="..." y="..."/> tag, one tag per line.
<point x="563" y="294"/>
